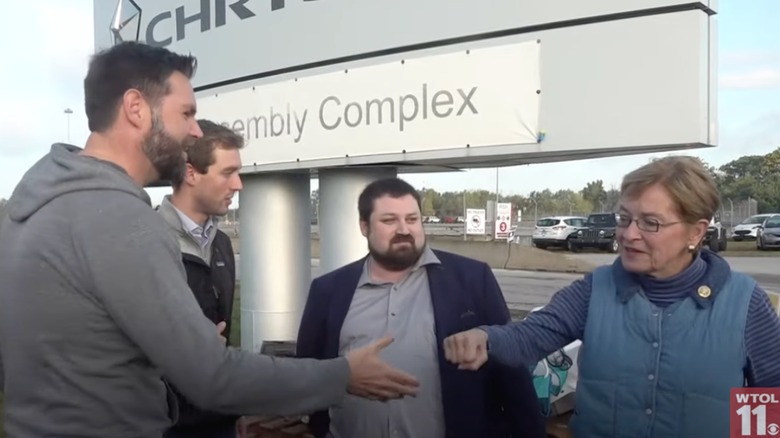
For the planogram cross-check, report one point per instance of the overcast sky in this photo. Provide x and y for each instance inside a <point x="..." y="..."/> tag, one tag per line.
<point x="48" y="43"/>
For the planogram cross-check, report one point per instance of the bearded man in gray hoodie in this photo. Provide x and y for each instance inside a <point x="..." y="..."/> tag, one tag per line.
<point x="95" y="310"/>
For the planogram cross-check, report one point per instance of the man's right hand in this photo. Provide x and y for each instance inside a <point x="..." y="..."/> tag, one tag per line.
<point x="373" y="378"/>
<point x="221" y="328"/>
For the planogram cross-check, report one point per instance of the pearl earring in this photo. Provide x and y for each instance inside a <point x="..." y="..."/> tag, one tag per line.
<point x="691" y="247"/>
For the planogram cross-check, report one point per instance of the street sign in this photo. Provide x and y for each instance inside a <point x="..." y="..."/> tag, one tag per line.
<point x="503" y="219"/>
<point x="475" y="221"/>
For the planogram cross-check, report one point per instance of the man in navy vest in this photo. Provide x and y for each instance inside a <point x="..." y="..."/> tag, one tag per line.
<point x="668" y="329"/>
<point x="419" y="296"/>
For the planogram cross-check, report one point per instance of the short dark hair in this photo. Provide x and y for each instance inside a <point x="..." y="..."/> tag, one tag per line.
<point x="125" y="66"/>
<point x="393" y="187"/>
<point x="200" y="155"/>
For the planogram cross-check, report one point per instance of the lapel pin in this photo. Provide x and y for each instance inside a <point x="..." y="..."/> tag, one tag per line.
<point x="704" y="291"/>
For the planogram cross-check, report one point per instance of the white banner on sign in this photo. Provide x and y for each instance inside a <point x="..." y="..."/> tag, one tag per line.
<point x="503" y="219"/>
<point x="239" y="38"/>
<point x="475" y="221"/>
<point x="482" y="97"/>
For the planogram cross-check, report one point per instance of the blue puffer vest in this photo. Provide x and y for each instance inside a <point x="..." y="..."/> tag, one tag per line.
<point x="651" y="372"/>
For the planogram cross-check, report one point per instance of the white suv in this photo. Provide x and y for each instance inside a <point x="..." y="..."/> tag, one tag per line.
<point x="748" y="228"/>
<point x="555" y="230"/>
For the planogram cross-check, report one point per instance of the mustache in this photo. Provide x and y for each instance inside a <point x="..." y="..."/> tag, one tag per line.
<point x="400" y="238"/>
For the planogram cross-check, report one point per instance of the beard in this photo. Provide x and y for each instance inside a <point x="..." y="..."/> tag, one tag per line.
<point x="397" y="258"/>
<point x="165" y="152"/>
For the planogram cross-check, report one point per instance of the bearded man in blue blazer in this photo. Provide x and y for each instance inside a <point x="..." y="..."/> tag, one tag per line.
<point x="420" y="296"/>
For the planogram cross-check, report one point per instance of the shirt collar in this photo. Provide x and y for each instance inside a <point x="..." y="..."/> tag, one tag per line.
<point x="428" y="257"/>
<point x="197" y="231"/>
<point x="716" y="274"/>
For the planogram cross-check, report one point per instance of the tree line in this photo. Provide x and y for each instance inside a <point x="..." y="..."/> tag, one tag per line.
<point x="593" y="197"/>
<point x="755" y="177"/>
<point x="750" y="177"/>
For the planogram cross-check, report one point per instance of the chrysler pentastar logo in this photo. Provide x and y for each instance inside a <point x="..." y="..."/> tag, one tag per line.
<point x="174" y="25"/>
<point x="126" y="22"/>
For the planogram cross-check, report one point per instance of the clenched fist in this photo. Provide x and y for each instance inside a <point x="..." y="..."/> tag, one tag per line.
<point x="467" y="349"/>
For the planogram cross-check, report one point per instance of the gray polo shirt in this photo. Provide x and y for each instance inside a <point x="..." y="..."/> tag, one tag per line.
<point x="404" y="310"/>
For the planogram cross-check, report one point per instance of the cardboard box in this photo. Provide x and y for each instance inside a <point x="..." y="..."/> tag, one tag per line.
<point x="558" y="427"/>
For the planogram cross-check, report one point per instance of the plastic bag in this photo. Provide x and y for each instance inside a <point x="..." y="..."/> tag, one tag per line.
<point x="555" y="379"/>
<point x="550" y="383"/>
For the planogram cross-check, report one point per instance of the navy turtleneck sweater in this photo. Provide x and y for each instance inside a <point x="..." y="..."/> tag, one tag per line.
<point x="562" y="321"/>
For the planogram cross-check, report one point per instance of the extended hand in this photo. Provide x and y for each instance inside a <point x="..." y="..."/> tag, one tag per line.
<point x="221" y="328"/>
<point x="467" y="349"/>
<point x="374" y="379"/>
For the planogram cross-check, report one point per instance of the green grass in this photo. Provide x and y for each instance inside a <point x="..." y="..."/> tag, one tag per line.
<point x="747" y="249"/>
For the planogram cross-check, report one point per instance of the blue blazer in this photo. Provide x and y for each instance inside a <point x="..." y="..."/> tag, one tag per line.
<point x="495" y="402"/>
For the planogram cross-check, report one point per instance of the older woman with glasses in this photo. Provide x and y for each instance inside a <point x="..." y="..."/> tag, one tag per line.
<point x="667" y="330"/>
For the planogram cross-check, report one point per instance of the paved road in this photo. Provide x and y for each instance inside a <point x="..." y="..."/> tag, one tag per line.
<point x="766" y="270"/>
<point x="525" y="290"/>
<point x="749" y="265"/>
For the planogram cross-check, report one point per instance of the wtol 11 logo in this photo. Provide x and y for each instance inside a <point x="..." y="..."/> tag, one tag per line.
<point x="755" y="412"/>
<point x="126" y="20"/>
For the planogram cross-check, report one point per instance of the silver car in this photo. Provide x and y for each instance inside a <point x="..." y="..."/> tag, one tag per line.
<point x="768" y="234"/>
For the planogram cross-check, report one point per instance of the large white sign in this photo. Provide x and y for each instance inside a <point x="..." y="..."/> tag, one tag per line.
<point x="475" y="221"/>
<point x="605" y="80"/>
<point x="467" y="99"/>
<point x="237" y="39"/>
<point x="503" y="219"/>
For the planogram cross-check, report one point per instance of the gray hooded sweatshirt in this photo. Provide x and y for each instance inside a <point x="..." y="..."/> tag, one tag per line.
<point x="95" y="310"/>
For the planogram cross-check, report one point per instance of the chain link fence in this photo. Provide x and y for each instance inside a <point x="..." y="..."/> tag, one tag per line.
<point x="734" y="211"/>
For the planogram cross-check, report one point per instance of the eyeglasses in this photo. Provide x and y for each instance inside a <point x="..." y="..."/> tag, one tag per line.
<point x="649" y="225"/>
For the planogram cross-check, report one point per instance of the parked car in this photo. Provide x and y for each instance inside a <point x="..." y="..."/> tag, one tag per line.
<point x="768" y="234"/>
<point x="715" y="238"/>
<point x="748" y="228"/>
<point x="555" y="231"/>
<point x="599" y="232"/>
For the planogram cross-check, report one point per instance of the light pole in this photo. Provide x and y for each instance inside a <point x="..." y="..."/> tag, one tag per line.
<point x="496" y="188"/>
<point x="495" y="208"/>
<point x="465" y="218"/>
<point x="68" y="112"/>
<point x="731" y="213"/>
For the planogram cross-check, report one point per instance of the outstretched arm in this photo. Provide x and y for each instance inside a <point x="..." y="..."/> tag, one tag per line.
<point x="142" y="284"/>
<point x="560" y="322"/>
